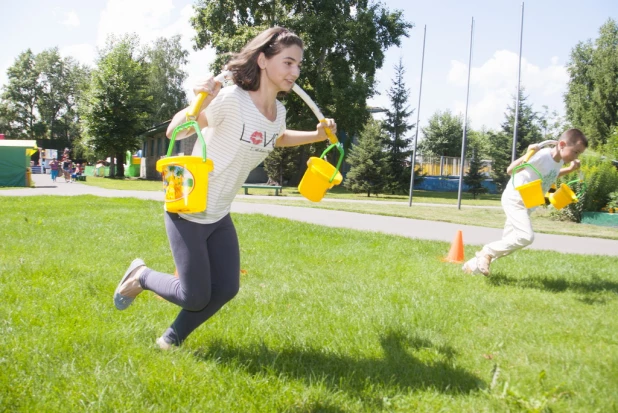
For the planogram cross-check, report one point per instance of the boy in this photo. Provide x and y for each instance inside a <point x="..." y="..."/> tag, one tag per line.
<point x="518" y="231"/>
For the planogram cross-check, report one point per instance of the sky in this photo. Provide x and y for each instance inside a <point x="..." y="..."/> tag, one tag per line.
<point x="551" y="28"/>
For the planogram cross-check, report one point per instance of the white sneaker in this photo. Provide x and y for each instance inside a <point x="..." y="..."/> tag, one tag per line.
<point x="163" y="344"/>
<point x="471" y="267"/>
<point x="483" y="261"/>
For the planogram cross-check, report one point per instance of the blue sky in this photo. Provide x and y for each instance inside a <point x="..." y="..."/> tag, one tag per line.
<point x="551" y="29"/>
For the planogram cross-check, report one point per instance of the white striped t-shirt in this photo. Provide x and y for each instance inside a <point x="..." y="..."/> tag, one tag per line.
<point x="238" y="138"/>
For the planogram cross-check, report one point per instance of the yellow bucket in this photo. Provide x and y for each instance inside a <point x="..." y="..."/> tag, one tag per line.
<point x="185" y="183"/>
<point x="185" y="178"/>
<point x="562" y="197"/>
<point x="317" y="179"/>
<point x="565" y="195"/>
<point x="532" y="193"/>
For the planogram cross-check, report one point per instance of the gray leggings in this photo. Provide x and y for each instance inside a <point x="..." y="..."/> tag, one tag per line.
<point x="207" y="258"/>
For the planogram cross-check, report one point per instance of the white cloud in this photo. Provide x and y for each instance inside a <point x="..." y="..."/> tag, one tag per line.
<point x="83" y="53"/>
<point x="71" y="19"/>
<point x="494" y="83"/>
<point x="144" y="17"/>
<point x="152" y="19"/>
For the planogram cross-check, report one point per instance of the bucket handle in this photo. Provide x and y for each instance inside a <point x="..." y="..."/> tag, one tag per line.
<point x="340" y="148"/>
<point x="187" y="125"/>
<point x="583" y="188"/>
<point x="316" y="111"/>
<point x="523" y="165"/>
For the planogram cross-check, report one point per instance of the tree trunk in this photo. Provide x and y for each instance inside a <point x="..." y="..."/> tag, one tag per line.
<point x="119" y="160"/>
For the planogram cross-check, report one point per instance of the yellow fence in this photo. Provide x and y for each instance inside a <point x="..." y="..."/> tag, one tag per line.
<point x="447" y="165"/>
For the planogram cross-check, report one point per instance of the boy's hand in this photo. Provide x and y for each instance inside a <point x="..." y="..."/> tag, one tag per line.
<point x="575" y="165"/>
<point x="534" y="147"/>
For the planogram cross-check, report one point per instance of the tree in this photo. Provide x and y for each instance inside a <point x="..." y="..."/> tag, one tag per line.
<point x="339" y="64"/>
<point x="592" y="92"/>
<point x="165" y="78"/>
<point x="20" y="95"/>
<point x="280" y="165"/>
<point x="500" y="154"/>
<point x="528" y="132"/>
<point x="528" y="124"/>
<point x="368" y="161"/>
<point x="474" y="178"/>
<point x="41" y="97"/>
<point x="396" y="125"/>
<point x="443" y="135"/>
<point x="117" y="99"/>
<point x="53" y="88"/>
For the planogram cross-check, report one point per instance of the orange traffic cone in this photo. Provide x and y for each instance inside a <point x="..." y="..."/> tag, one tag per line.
<point x="456" y="254"/>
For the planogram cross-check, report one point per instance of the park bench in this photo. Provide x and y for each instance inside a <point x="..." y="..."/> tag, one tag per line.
<point x="264" y="186"/>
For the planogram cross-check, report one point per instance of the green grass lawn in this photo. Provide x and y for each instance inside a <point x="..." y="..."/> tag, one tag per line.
<point x="327" y="320"/>
<point x="338" y="192"/>
<point x="542" y="219"/>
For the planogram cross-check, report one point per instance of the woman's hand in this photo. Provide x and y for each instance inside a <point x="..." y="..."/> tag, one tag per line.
<point x="209" y="86"/>
<point x="328" y="123"/>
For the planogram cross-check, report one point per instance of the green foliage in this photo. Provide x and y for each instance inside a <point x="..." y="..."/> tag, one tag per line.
<point x="501" y="143"/>
<point x="612" y="204"/>
<point x="474" y="178"/>
<point x="500" y="153"/>
<point x="442" y="137"/>
<point x="345" y="42"/>
<point x="592" y="95"/>
<point x="368" y="161"/>
<point x="528" y="124"/>
<point x="117" y="100"/>
<point x="164" y="59"/>
<point x="41" y="97"/>
<point x="600" y="178"/>
<point x="611" y="148"/>
<point x="281" y="165"/>
<point x="20" y="96"/>
<point x="397" y="126"/>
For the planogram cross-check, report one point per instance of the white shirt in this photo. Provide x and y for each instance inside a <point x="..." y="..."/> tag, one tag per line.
<point x="238" y="138"/>
<point x="547" y="167"/>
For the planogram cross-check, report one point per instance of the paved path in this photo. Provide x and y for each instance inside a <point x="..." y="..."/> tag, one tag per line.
<point x="412" y="228"/>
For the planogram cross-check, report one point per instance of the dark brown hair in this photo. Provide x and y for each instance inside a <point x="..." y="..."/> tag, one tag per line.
<point x="573" y="136"/>
<point x="270" y="42"/>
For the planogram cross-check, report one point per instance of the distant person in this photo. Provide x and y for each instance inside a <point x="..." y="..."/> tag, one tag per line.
<point x="99" y="168"/>
<point x="66" y="169"/>
<point x="53" y="166"/>
<point x="518" y="231"/>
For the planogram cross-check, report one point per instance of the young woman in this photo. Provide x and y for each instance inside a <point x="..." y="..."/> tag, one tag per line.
<point x="243" y="122"/>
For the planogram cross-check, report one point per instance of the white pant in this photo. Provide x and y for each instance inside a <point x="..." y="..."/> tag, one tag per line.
<point x="517" y="233"/>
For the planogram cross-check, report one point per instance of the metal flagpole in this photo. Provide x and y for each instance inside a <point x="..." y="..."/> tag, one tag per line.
<point x="521" y="36"/>
<point x="418" y="111"/>
<point x="465" y="125"/>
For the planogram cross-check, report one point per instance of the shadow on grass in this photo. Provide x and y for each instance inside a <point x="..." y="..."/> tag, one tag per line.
<point x="591" y="287"/>
<point x="401" y="366"/>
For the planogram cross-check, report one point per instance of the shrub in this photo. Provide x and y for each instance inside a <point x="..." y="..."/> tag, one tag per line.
<point x="600" y="179"/>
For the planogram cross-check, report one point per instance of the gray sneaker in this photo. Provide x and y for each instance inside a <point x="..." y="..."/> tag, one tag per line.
<point x="120" y="301"/>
